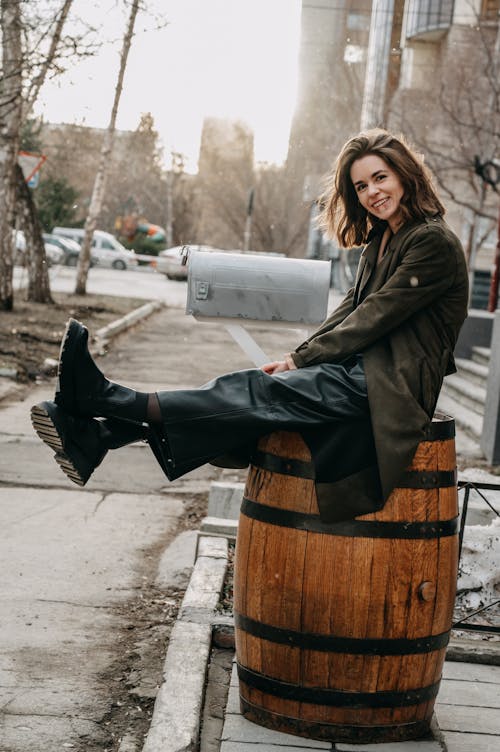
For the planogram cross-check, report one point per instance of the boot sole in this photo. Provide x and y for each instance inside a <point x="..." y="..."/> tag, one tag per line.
<point x="47" y="431"/>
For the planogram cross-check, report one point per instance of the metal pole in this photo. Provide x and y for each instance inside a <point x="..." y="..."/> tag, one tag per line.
<point x="248" y="222"/>
<point x="169" y="223"/>
<point x="495" y="279"/>
<point x="377" y="64"/>
<point x="493" y="298"/>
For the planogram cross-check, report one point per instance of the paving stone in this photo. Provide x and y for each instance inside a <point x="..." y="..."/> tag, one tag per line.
<point x="468" y="720"/>
<point x="471" y="672"/>
<point x="224" y="499"/>
<point x="234" y="676"/>
<point x="238" y="729"/>
<point x="418" y="745"/>
<point x="215" y="548"/>
<point x="205" y="584"/>
<point x="458" y="742"/>
<point x="477" y="694"/>
<point x="249" y="747"/>
<point x="219" y="525"/>
<point x="233" y="700"/>
<point x="176" y="717"/>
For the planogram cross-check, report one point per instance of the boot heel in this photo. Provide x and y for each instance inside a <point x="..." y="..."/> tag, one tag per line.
<point x="69" y="469"/>
<point x="76" y="442"/>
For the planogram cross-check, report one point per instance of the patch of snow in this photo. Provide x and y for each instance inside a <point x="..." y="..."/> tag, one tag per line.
<point x="479" y="570"/>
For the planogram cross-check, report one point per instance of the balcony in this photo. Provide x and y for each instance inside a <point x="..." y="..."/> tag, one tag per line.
<point x="428" y="20"/>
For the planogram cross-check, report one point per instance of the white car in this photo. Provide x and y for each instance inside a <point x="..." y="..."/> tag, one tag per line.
<point x="70" y="248"/>
<point x="174" y="261"/>
<point x="53" y="254"/>
<point x="106" y="250"/>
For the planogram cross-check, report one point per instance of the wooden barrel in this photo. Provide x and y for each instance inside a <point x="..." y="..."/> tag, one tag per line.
<point x="341" y="629"/>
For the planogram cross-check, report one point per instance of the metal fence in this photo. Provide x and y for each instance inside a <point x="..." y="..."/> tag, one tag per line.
<point x="481" y="490"/>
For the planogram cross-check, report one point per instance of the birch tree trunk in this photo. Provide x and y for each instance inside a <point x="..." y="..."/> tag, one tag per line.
<point x="99" y="188"/>
<point x="10" y="123"/>
<point x="38" y="272"/>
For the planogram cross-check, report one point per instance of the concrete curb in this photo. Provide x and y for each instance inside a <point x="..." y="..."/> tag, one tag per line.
<point x="109" y="331"/>
<point x="175" y="724"/>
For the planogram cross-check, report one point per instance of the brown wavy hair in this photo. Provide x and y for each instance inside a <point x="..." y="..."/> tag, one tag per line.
<point x="342" y="216"/>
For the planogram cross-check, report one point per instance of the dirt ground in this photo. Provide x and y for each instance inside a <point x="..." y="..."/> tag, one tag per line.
<point x="31" y="334"/>
<point x="135" y="676"/>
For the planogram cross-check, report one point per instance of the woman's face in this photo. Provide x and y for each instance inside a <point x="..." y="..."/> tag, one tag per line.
<point x="379" y="189"/>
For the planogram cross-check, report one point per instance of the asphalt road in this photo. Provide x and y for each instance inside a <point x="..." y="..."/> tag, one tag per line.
<point x="142" y="283"/>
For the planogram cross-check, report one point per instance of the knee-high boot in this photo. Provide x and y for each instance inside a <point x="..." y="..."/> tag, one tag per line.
<point x="80" y="444"/>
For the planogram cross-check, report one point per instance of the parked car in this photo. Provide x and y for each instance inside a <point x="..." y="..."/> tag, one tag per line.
<point x="20" y="247"/>
<point x="170" y="261"/>
<point x="53" y="254"/>
<point x="70" y="248"/>
<point x="106" y="250"/>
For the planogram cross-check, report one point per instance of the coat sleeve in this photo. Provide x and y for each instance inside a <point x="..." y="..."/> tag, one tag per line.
<point x="426" y="270"/>
<point x="338" y="315"/>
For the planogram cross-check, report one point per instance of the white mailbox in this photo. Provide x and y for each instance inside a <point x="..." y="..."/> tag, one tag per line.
<point x="256" y="287"/>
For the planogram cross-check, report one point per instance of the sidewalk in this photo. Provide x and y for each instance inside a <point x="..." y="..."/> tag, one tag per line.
<point x="467" y="712"/>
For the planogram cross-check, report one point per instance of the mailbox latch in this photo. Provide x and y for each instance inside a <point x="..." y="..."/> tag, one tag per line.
<point x="201" y="290"/>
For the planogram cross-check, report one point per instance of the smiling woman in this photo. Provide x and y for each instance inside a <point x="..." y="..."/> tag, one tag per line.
<point x="361" y="390"/>
<point x="379" y="189"/>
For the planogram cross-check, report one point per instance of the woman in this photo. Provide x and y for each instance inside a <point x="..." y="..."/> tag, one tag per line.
<point x="361" y="390"/>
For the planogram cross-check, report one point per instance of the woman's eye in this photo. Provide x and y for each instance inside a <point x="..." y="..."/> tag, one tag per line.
<point x="381" y="177"/>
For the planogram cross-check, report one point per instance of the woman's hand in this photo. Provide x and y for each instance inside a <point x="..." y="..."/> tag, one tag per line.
<point x="278" y="366"/>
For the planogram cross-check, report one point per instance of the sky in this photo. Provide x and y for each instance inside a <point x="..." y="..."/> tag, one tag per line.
<point x="222" y="58"/>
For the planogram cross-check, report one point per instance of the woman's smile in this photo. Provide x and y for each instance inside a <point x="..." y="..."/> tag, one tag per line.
<point x="379" y="189"/>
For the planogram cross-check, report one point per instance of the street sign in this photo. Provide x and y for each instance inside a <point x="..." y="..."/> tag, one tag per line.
<point x="30" y="165"/>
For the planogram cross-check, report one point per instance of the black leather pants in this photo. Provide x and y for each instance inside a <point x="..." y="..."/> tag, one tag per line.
<point x="231" y="412"/>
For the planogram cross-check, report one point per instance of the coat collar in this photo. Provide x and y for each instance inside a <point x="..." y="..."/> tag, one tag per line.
<point x="368" y="261"/>
<point x="370" y="251"/>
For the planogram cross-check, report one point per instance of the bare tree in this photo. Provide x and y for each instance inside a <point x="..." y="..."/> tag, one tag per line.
<point x="48" y="60"/>
<point x="102" y="171"/>
<point x="33" y="48"/>
<point x="225" y="178"/>
<point x="465" y="103"/>
<point x="10" y="124"/>
<point x="279" y="223"/>
<point x="38" y="278"/>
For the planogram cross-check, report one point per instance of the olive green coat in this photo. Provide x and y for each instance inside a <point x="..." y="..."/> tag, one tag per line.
<point x="406" y="328"/>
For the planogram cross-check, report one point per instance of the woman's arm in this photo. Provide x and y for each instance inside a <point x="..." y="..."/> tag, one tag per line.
<point x="426" y="271"/>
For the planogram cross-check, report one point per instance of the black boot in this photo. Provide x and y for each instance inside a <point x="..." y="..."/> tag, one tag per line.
<point x="84" y="391"/>
<point x="80" y="444"/>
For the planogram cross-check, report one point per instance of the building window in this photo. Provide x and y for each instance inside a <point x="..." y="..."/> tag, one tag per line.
<point x="490" y="9"/>
<point x="428" y="18"/>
